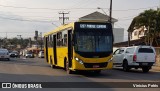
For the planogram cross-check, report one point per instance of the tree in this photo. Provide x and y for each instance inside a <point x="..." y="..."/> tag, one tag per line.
<point x="150" y="19"/>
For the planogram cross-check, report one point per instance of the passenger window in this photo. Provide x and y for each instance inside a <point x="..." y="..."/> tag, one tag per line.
<point x="59" y="39"/>
<point x="121" y="51"/>
<point x="116" y="52"/>
<point x="145" y="50"/>
<point x="130" y="50"/>
<point x="127" y="51"/>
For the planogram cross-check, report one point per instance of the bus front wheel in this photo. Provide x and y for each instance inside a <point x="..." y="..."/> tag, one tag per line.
<point x="67" y="69"/>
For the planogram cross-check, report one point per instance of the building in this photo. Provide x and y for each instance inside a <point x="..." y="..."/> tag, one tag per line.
<point x="118" y="34"/>
<point x="138" y="33"/>
<point x="99" y="17"/>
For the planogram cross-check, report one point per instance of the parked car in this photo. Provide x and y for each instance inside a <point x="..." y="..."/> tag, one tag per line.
<point x="14" y="54"/>
<point x="41" y="54"/>
<point x="4" y="54"/>
<point x="135" y="57"/>
<point x="29" y="55"/>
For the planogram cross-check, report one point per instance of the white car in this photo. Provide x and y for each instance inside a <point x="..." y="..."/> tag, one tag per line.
<point x="135" y="57"/>
<point x="4" y="54"/>
<point x="29" y="55"/>
<point x="41" y="54"/>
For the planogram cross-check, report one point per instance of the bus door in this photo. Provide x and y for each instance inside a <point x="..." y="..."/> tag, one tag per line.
<point x="54" y="49"/>
<point x="46" y="43"/>
<point x="70" y="51"/>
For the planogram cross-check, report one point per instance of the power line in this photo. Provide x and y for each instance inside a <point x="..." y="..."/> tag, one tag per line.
<point x="136" y="9"/>
<point x="29" y="20"/>
<point x="63" y="16"/>
<point x="38" y="17"/>
<point x="26" y="20"/>
<point x="74" y="8"/>
<point x="29" y="7"/>
<point x="16" y="32"/>
<point x="43" y="8"/>
<point x="128" y="17"/>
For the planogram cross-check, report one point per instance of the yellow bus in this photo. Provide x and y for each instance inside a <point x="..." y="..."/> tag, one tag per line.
<point x="80" y="46"/>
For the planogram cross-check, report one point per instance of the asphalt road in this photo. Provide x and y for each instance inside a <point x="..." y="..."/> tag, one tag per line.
<point x="37" y="70"/>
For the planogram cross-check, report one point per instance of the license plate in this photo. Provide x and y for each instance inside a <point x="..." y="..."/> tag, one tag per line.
<point x="95" y="66"/>
<point x="144" y="63"/>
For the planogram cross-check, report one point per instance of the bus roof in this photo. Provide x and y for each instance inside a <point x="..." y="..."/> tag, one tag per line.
<point x="60" y="28"/>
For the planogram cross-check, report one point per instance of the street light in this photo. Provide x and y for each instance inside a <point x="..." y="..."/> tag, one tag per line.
<point x="102" y="10"/>
<point x="110" y="16"/>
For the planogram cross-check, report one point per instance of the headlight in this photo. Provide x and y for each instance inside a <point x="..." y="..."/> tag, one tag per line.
<point x="78" y="60"/>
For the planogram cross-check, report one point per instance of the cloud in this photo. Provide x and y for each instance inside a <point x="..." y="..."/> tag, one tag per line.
<point x="15" y="25"/>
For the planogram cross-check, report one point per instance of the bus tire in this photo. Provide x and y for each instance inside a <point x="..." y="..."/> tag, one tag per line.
<point x="67" y="68"/>
<point x="65" y="60"/>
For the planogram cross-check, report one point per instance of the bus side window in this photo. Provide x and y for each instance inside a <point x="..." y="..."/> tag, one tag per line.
<point x="64" y="38"/>
<point x="49" y="41"/>
<point x="59" y="37"/>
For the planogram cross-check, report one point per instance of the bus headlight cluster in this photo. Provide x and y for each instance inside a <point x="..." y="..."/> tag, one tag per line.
<point x="78" y="60"/>
<point x="110" y="60"/>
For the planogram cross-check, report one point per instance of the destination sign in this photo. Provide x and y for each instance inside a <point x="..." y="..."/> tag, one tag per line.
<point x="93" y="26"/>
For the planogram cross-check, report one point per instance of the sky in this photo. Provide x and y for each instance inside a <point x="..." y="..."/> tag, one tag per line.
<point x="24" y="17"/>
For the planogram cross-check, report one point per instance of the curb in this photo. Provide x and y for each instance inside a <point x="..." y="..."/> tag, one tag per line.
<point x="156" y="67"/>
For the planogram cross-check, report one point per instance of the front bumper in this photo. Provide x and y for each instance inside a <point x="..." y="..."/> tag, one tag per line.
<point x="92" y="66"/>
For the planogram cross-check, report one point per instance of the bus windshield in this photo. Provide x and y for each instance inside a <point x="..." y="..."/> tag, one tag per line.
<point x="93" y="41"/>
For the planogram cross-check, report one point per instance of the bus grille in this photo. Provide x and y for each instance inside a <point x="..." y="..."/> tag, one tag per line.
<point x="95" y="65"/>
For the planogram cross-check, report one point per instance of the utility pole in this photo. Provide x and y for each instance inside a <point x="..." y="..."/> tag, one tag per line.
<point x="63" y="17"/>
<point x="110" y="20"/>
<point x="20" y="40"/>
<point x="129" y="43"/>
<point x="36" y="40"/>
<point x="41" y="40"/>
